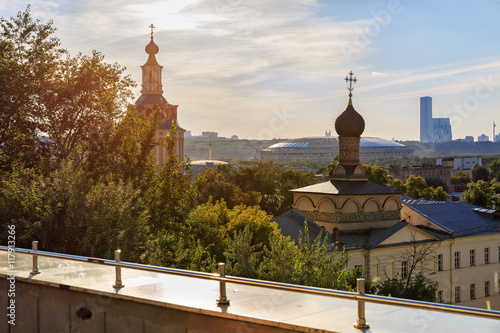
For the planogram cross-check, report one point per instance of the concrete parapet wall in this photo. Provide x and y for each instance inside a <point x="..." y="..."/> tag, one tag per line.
<point x="56" y="308"/>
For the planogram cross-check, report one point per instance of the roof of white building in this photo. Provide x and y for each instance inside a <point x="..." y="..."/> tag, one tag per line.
<point x="459" y="218"/>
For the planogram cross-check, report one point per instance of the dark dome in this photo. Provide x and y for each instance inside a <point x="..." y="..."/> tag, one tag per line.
<point x="152" y="48"/>
<point x="350" y="123"/>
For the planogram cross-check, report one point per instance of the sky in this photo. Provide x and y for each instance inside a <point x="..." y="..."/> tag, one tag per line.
<point x="265" y="69"/>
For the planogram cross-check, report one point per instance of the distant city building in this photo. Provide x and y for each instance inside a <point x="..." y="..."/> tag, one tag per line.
<point x="483" y="138"/>
<point x="466" y="163"/>
<point x="433" y="129"/>
<point x="497" y="138"/>
<point x="441" y="129"/>
<point x="212" y="135"/>
<point x="426" y="171"/>
<point x="234" y="137"/>
<point x="187" y="134"/>
<point x="469" y="138"/>
<point x="328" y="134"/>
<point x="425" y="119"/>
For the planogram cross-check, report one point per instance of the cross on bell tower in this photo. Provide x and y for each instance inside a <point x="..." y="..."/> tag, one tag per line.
<point x="152" y="27"/>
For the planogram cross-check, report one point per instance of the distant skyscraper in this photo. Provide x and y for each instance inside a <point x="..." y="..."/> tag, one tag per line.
<point x="441" y="130"/>
<point x="426" y="119"/>
<point x="483" y="138"/>
<point x="469" y="138"/>
<point x="433" y="129"/>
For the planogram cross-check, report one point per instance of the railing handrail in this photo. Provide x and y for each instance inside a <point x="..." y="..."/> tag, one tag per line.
<point x="491" y="314"/>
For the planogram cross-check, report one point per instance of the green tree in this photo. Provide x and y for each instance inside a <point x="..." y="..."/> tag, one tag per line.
<point x="416" y="187"/>
<point x="419" y="288"/>
<point x="412" y="283"/>
<point x="376" y="174"/>
<point x="124" y="149"/>
<point x="495" y="169"/>
<point x="266" y="184"/>
<point x="214" y="225"/>
<point x="68" y="212"/>
<point x="308" y="263"/>
<point x="460" y="177"/>
<point x="169" y="196"/>
<point x="29" y="55"/>
<point x="243" y="258"/>
<point x="436" y="182"/>
<point x="70" y="99"/>
<point x="481" y="194"/>
<point x="218" y="184"/>
<point x="479" y="172"/>
<point x="495" y="183"/>
<point x="325" y="175"/>
<point x="379" y="175"/>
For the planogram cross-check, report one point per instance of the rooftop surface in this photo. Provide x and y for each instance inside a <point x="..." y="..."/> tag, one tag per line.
<point x="332" y="142"/>
<point x="459" y="218"/>
<point x="294" y="310"/>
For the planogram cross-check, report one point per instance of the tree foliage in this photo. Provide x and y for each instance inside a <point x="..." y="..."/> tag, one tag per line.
<point x="494" y="168"/>
<point x="266" y="184"/>
<point x="416" y="187"/>
<point x="481" y="194"/>
<point x="379" y="175"/>
<point x="479" y="172"/>
<point x="72" y="100"/>
<point x="419" y="288"/>
<point x="413" y="284"/>
<point x="68" y="212"/>
<point x="460" y="178"/>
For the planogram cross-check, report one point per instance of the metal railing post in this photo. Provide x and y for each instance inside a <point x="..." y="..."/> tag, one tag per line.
<point x="222" y="285"/>
<point x="35" y="270"/>
<point x="361" y="322"/>
<point x="118" y="270"/>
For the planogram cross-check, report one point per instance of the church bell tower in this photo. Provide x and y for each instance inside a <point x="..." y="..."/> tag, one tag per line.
<point x="152" y="98"/>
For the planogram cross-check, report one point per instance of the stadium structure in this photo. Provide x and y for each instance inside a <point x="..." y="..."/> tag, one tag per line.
<point x="323" y="149"/>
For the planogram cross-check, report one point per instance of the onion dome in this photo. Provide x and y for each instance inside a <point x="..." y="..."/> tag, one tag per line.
<point x="152" y="48"/>
<point x="350" y="122"/>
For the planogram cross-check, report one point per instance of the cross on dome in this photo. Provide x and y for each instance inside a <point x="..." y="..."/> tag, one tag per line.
<point x="351" y="80"/>
<point x="152" y="27"/>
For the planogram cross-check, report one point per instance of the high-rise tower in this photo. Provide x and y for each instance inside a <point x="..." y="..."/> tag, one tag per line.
<point x="152" y="98"/>
<point x="426" y="119"/>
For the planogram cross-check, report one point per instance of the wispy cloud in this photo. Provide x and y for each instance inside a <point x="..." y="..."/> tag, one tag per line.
<point x="229" y="63"/>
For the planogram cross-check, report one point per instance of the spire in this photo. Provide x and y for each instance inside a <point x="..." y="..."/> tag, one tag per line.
<point x="151" y="70"/>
